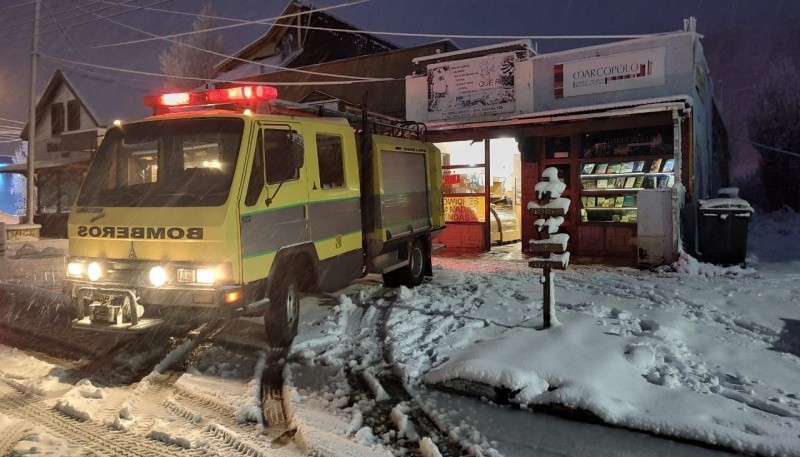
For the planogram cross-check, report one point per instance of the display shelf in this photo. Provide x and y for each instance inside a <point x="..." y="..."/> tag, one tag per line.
<point x="627" y="208"/>
<point x="619" y="175"/>
<point x="626" y="158"/>
<point x="612" y="190"/>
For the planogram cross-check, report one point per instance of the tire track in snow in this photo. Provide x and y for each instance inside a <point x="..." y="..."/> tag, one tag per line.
<point x="95" y="437"/>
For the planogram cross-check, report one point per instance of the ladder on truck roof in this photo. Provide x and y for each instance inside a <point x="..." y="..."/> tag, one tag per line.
<point x="376" y="123"/>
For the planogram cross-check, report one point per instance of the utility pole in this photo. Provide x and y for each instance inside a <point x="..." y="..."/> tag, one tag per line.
<point x="29" y="205"/>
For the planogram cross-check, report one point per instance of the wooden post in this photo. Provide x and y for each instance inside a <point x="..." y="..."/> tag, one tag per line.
<point x="547" y="303"/>
<point x="551" y="210"/>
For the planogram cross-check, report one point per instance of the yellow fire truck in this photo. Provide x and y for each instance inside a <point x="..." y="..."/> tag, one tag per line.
<point x="238" y="210"/>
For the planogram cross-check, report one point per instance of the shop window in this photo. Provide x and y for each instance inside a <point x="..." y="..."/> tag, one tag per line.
<point x="617" y="165"/>
<point x="647" y="141"/>
<point x="56" y="118"/>
<point x="557" y="148"/>
<point x="330" y="160"/>
<point x="73" y="115"/>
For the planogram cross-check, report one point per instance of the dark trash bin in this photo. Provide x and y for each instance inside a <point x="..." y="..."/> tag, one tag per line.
<point x="722" y="229"/>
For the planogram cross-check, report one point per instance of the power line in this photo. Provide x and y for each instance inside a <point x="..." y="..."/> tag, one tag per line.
<point x="264" y="21"/>
<point x="267" y="21"/>
<point x="216" y="80"/>
<point x="66" y="37"/>
<point x="263" y="65"/>
<point x="29" y="22"/>
<point x="101" y="9"/>
<point x="767" y="147"/>
<point x="18" y="4"/>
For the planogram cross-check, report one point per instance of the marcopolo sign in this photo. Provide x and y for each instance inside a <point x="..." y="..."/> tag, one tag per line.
<point x="627" y="70"/>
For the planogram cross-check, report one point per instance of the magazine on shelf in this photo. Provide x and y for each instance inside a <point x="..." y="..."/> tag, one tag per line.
<point x="619" y="183"/>
<point x="589" y="183"/>
<point x="669" y="165"/>
<point x="671" y="181"/>
<point x="608" y="202"/>
<point x="627" y="167"/>
<point x="618" y="201"/>
<point x="655" y="167"/>
<point x="591" y="202"/>
<point x="639" y="182"/>
<point x="649" y="182"/>
<point x="630" y="181"/>
<point x="662" y="181"/>
<point x="602" y="183"/>
<point x="588" y="168"/>
<point x="629" y="201"/>
<point x="614" y="168"/>
<point x="601" y="168"/>
<point x="583" y="201"/>
<point x="638" y="166"/>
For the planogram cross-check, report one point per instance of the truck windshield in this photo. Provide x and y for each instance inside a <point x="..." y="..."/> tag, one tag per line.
<point x="168" y="163"/>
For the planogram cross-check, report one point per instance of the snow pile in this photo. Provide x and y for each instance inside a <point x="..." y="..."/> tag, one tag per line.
<point x="82" y="402"/>
<point x="773" y="239"/>
<point x="250" y="410"/>
<point x="687" y="264"/>
<point x="176" y="434"/>
<point x="30" y="374"/>
<point x="707" y="354"/>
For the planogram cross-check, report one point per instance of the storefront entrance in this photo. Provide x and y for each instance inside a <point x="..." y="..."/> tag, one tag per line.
<point x="481" y="212"/>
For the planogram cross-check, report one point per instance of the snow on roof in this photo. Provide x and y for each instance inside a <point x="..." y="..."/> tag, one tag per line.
<point x="470" y="51"/>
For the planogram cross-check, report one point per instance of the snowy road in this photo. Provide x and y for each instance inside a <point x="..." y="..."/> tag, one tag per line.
<point x="709" y="357"/>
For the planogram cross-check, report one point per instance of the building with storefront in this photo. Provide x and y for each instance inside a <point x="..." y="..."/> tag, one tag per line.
<point x="631" y="126"/>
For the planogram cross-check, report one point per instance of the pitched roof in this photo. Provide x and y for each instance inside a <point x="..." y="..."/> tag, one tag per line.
<point x="293" y="11"/>
<point x="385" y="97"/>
<point x="105" y="99"/>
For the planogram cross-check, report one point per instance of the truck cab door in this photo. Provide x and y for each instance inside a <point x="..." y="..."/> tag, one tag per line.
<point x="274" y="208"/>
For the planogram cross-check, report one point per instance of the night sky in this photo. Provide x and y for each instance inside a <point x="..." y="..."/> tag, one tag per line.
<point x="741" y="37"/>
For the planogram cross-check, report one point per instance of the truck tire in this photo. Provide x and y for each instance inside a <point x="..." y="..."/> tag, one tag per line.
<point x="283" y="312"/>
<point x="412" y="274"/>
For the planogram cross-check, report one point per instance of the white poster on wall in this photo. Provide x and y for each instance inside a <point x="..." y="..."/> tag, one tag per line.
<point x="627" y="70"/>
<point x="472" y="87"/>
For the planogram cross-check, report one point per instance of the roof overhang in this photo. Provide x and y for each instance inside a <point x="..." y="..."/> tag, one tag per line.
<point x="653" y="105"/>
<point x="75" y="158"/>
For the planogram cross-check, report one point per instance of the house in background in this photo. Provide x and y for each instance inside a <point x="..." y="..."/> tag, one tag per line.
<point x="287" y="44"/>
<point x="72" y="115"/>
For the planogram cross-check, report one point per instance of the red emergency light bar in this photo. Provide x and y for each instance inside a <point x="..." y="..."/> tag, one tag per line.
<point x="236" y="95"/>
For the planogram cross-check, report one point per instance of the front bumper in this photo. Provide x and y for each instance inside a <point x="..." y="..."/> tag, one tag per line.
<point x="207" y="298"/>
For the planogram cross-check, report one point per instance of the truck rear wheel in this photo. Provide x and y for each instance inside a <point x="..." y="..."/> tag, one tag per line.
<point x="412" y="274"/>
<point x="283" y="313"/>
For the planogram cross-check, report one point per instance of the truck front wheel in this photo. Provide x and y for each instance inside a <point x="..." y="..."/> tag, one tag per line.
<point x="283" y="313"/>
<point x="412" y="274"/>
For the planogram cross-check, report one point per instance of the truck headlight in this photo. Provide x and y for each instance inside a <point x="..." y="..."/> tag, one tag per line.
<point x="94" y="271"/>
<point x="206" y="275"/>
<point x="158" y="276"/>
<point x="75" y="269"/>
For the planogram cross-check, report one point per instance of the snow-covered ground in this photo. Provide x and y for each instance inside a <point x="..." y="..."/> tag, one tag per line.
<point x="705" y="355"/>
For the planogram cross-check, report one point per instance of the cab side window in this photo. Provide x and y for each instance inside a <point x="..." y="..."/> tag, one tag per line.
<point x="256" y="183"/>
<point x="278" y="156"/>
<point x="330" y="160"/>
